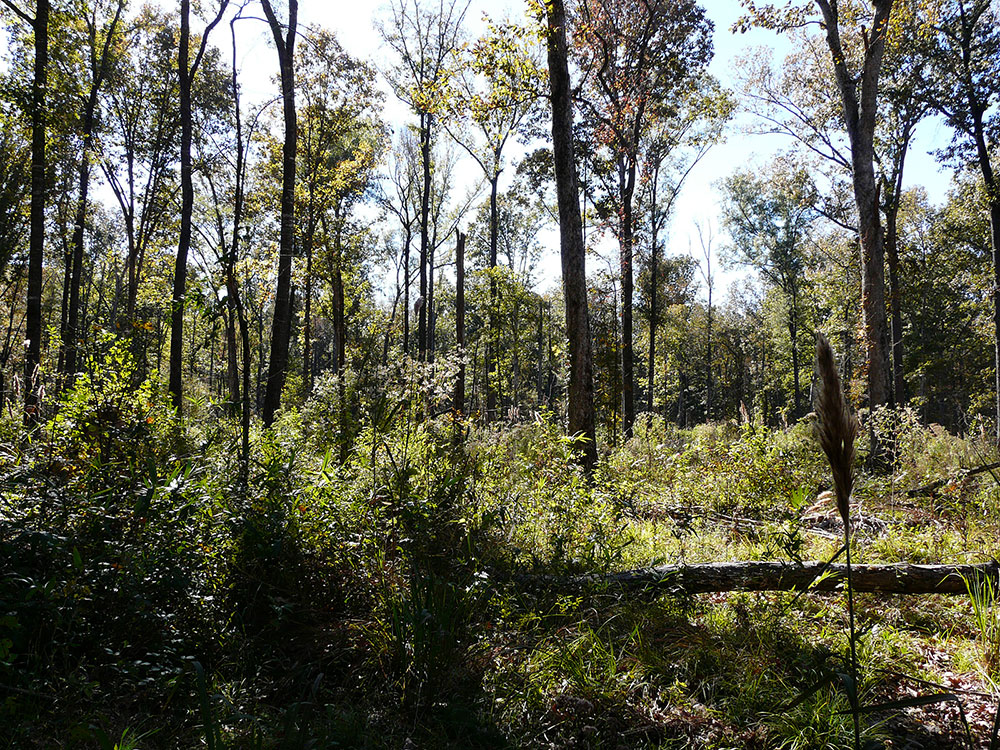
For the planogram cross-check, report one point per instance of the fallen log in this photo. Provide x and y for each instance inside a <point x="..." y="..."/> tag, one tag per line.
<point x="701" y="578"/>
<point x="932" y="488"/>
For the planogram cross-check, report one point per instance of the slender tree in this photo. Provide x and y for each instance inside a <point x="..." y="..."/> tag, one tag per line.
<point x="186" y="69"/>
<point x="965" y="88"/>
<point x="99" y="64"/>
<point x="494" y="96"/>
<point x="425" y="42"/>
<point x="281" y="327"/>
<point x="639" y="57"/>
<point x="768" y="217"/>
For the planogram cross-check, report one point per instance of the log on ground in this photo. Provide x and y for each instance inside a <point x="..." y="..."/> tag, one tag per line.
<point x="701" y="578"/>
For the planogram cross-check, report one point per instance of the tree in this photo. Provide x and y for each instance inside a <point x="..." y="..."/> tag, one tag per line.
<point x="140" y="137"/>
<point x="495" y="95"/>
<point x="965" y="86"/>
<point x="676" y="144"/>
<point x="187" y="69"/>
<point x="39" y="23"/>
<point x="403" y="202"/>
<point x="580" y="406"/>
<point x="857" y="82"/>
<point x="281" y="326"/>
<point x="639" y="57"/>
<point x="98" y="69"/>
<point x="425" y="41"/>
<point x="340" y="140"/>
<point x="768" y="217"/>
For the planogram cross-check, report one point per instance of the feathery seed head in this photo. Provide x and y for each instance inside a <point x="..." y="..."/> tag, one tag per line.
<point x="836" y="426"/>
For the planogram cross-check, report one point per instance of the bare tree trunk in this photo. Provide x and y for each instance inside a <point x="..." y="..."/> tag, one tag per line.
<point x="36" y="236"/>
<point x="892" y="252"/>
<point x="859" y="117"/>
<point x="176" y="382"/>
<point x="459" y="400"/>
<point x="581" y="378"/>
<point x="425" y="207"/>
<point x="540" y="375"/>
<point x="406" y="293"/>
<point x="628" y="395"/>
<point x="71" y="332"/>
<point x="307" y="368"/>
<point x="492" y="348"/>
<point x="186" y="72"/>
<point x="895" y="308"/>
<point x="793" y="336"/>
<point x="281" y="328"/>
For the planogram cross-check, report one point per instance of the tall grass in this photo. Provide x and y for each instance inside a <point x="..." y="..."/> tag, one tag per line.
<point x="837" y="429"/>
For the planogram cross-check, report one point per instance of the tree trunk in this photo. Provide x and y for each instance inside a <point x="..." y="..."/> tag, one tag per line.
<point x="793" y="335"/>
<point x="700" y="578"/>
<point x="708" y="352"/>
<point x="459" y="401"/>
<point x="406" y="293"/>
<point x="307" y="369"/>
<point x="995" y="237"/>
<point x="628" y="395"/>
<point x="892" y="252"/>
<point x="71" y="332"/>
<point x="993" y="195"/>
<point x="859" y="117"/>
<point x="895" y="304"/>
<point x="339" y="325"/>
<point x="175" y="365"/>
<point x="281" y="328"/>
<point x="581" y="375"/>
<point x="494" y="339"/>
<point x="540" y="374"/>
<point x="654" y="312"/>
<point x="425" y="206"/>
<point x="36" y="237"/>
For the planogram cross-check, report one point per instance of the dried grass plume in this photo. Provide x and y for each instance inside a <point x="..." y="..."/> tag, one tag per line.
<point x="836" y="426"/>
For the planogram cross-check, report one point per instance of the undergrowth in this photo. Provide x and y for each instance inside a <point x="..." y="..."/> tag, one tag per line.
<point x="376" y="597"/>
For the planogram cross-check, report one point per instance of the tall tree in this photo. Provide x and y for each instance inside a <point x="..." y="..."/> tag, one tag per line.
<point x="186" y="69"/>
<point x="768" y="217"/>
<point x="495" y="94"/>
<point x="572" y="250"/>
<point x="39" y="23"/>
<point x="677" y="142"/>
<point x="340" y="140"/>
<point x="639" y="56"/>
<point x="281" y="327"/>
<point x="965" y="65"/>
<point x="857" y="83"/>
<point x="141" y="135"/>
<point x="425" y="42"/>
<point x="99" y="62"/>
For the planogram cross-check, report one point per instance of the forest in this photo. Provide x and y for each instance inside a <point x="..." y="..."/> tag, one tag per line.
<point x="409" y="400"/>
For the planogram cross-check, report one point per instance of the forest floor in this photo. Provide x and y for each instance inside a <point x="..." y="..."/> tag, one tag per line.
<point x="149" y="599"/>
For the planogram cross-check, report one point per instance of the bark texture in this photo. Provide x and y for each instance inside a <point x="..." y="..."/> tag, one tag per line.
<point x="860" y="104"/>
<point x="281" y="327"/>
<point x="581" y="363"/>
<point x="36" y="236"/>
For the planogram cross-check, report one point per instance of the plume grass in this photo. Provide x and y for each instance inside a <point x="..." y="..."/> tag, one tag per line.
<point x="837" y="429"/>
